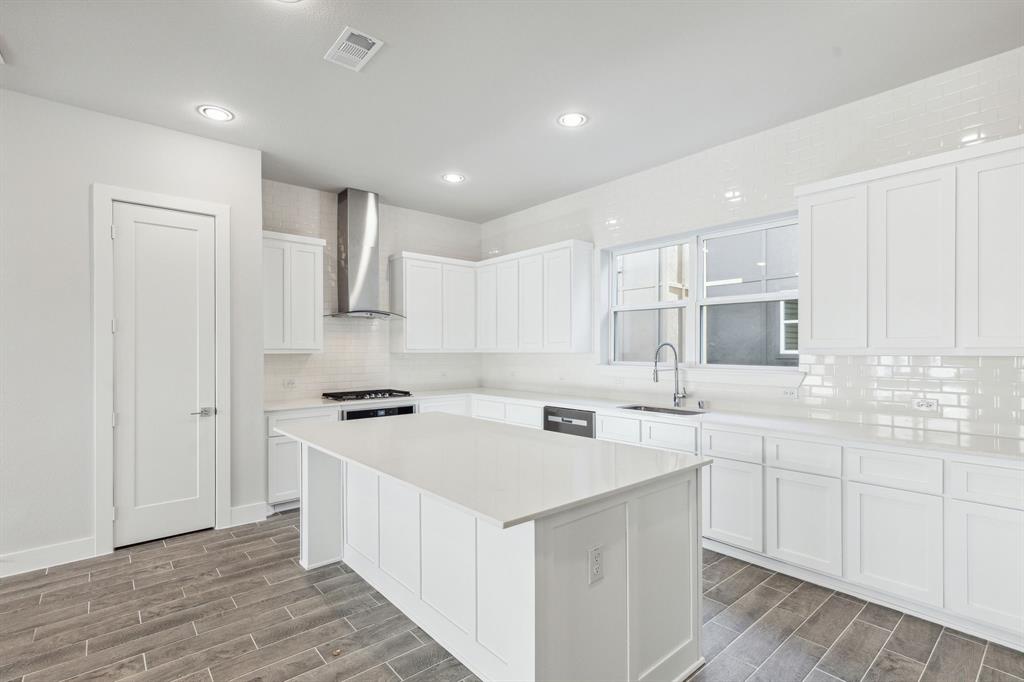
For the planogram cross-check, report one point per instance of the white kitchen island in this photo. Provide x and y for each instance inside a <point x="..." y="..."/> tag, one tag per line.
<point x="530" y="555"/>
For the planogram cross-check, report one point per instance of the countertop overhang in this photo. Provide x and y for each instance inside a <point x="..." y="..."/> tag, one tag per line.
<point x="501" y="473"/>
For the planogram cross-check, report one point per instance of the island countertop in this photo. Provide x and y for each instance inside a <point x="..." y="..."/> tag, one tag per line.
<point x="501" y="473"/>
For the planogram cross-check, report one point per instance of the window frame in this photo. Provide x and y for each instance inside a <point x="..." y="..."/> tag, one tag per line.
<point x="694" y="353"/>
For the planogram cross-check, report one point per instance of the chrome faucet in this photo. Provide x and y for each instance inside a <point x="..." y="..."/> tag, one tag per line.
<point x="679" y="394"/>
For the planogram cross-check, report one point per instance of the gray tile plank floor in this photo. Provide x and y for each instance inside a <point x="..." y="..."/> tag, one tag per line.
<point x="771" y="627"/>
<point x="234" y="604"/>
<point x="210" y="606"/>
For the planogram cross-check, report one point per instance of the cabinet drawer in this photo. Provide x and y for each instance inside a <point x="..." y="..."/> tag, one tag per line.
<point x="449" y="405"/>
<point x="1002" y="486"/>
<point x="618" y="428"/>
<point x="524" y="415"/>
<point x="742" y="446"/>
<point x="485" y="408"/>
<point x="802" y="455"/>
<point x="670" y="436"/>
<point x="907" y="472"/>
<point x="276" y="419"/>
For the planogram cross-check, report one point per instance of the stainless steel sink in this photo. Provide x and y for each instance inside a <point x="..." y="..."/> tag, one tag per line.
<point x="665" y="410"/>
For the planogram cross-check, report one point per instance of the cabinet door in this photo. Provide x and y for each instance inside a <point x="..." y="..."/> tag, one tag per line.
<point x="990" y="252"/>
<point x="362" y="523"/>
<point x="985" y="563"/>
<point x="894" y="541"/>
<point x="486" y="307"/>
<point x="275" y="303"/>
<point x="558" y="300"/>
<point x="282" y="470"/>
<point x="531" y="303"/>
<point x="834" y="269"/>
<point x="507" y="305"/>
<point x="804" y="520"/>
<point x="306" y="296"/>
<point x="423" y="293"/>
<point x="732" y="501"/>
<point x="459" y="307"/>
<point x="912" y="254"/>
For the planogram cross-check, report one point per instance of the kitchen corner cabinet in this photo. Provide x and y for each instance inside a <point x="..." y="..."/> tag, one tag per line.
<point x="293" y="293"/>
<point x="283" y="452"/>
<point x="531" y="301"/>
<point x="921" y="257"/>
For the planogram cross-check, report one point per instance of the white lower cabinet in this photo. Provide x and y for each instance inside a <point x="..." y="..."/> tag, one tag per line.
<point x="282" y="470"/>
<point x="804" y="519"/>
<point x="985" y="564"/>
<point x="732" y="500"/>
<point x="456" y="405"/>
<point x="894" y="541"/>
<point x="622" y="429"/>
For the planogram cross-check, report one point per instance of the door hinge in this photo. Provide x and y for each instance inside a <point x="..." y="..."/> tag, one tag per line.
<point x="113" y="231"/>
<point x="113" y="326"/>
<point x="113" y="513"/>
<point x="113" y="420"/>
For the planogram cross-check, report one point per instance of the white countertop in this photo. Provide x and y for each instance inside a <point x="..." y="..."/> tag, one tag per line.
<point x="865" y="434"/>
<point x="502" y="473"/>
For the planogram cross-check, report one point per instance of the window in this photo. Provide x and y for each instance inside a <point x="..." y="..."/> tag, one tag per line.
<point x="743" y="311"/>
<point x="649" y="304"/>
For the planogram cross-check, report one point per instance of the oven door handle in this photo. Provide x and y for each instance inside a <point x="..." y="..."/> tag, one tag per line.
<point x="567" y="420"/>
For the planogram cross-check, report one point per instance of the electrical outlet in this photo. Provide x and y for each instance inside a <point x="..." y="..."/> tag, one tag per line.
<point x="595" y="565"/>
<point x="791" y="393"/>
<point x="288" y="383"/>
<point x="925" y="404"/>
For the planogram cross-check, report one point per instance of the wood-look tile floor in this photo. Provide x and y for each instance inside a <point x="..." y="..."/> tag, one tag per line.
<point x="770" y="627"/>
<point x="215" y="605"/>
<point x="234" y="604"/>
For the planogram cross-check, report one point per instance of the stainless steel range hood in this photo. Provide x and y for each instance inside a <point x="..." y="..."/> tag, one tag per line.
<point x="358" y="257"/>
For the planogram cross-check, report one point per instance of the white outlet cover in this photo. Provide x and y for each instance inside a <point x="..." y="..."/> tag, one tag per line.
<point x="925" y="404"/>
<point x="595" y="565"/>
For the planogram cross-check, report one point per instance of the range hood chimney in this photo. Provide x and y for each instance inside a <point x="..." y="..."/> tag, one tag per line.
<point x="358" y="259"/>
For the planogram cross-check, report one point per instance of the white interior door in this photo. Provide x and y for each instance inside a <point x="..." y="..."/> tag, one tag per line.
<point x="164" y="373"/>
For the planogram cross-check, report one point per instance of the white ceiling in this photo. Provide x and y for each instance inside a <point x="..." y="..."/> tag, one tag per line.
<point x="475" y="86"/>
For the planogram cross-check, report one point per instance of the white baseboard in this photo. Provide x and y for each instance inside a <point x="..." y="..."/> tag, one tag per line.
<point x="13" y="563"/>
<point x="249" y="513"/>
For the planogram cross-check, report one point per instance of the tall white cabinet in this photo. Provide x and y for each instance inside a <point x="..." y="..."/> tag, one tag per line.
<point x="925" y="256"/>
<point x="531" y="301"/>
<point x="293" y="293"/>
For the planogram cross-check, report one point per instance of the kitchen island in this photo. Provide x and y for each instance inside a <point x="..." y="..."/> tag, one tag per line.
<point x="529" y="555"/>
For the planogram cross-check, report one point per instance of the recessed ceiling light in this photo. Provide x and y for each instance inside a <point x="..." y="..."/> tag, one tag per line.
<point x="453" y="178"/>
<point x="215" y="113"/>
<point x="572" y="120"/>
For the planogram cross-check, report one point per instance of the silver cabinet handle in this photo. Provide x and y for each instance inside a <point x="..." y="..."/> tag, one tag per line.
<point x="204" y="412"/>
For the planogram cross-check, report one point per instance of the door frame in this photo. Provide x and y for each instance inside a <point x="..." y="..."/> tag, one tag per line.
<point x="102" y="209"/>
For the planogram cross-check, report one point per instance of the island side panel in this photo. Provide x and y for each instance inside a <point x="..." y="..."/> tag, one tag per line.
<point x="320" y="508"/>
<point x="618" y="586"/>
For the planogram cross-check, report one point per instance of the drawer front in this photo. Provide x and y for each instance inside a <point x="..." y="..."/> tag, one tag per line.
<point x="276" y="419"/>
<point x="906" y="472"/>
<point x="618" y="428"/>
<point x="987" y="484"/>
<point x="670" y="436"/>
<point x="741" y="446"/>
<point x="806" y="456"/>
<point x="449" y="405"/>
<point x="485" y="408"/>
<point x="525" y="415"/>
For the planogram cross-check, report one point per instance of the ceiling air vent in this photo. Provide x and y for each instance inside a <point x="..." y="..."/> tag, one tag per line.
<point x="353" y="49"/>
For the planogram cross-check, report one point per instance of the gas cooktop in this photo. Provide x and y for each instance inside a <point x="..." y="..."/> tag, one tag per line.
<point x="372" y="394"/>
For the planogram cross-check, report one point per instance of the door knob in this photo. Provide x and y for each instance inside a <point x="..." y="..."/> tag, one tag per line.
<point x="205" y="412"/>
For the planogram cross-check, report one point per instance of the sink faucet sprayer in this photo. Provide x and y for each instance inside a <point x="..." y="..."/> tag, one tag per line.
<point x="679" y="394"/>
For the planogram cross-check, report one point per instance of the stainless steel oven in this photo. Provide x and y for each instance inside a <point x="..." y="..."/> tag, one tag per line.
<point x="371" y="412"/>
<point x="565" y="420"/>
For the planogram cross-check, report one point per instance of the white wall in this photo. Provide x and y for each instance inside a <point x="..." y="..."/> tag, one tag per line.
<point x="356" y="351"/>
<point x="978" y="395"/>
<point x="50" y="155"/>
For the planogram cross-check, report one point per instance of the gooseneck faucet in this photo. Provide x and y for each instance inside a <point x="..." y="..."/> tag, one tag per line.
<point x="679" y="394"/>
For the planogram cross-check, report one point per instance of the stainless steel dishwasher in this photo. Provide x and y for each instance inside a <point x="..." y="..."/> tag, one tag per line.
<point x="565" y="420"/>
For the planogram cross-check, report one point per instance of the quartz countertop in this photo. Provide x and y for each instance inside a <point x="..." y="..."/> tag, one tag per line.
<point x="1009" y="449"/>
<point x="502" y="473"/>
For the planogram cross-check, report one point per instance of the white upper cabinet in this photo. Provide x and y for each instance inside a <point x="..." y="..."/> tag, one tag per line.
<point x="833" y="270"/>
<point x="911" y="270"/>
<point x="534" y="301"/>
<point x="459" y="308"/>
<point x="293" y="293"/>
<point x="925" y="256"/>
<point x="990" y="252"/>
<point x="531" y="303"/>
